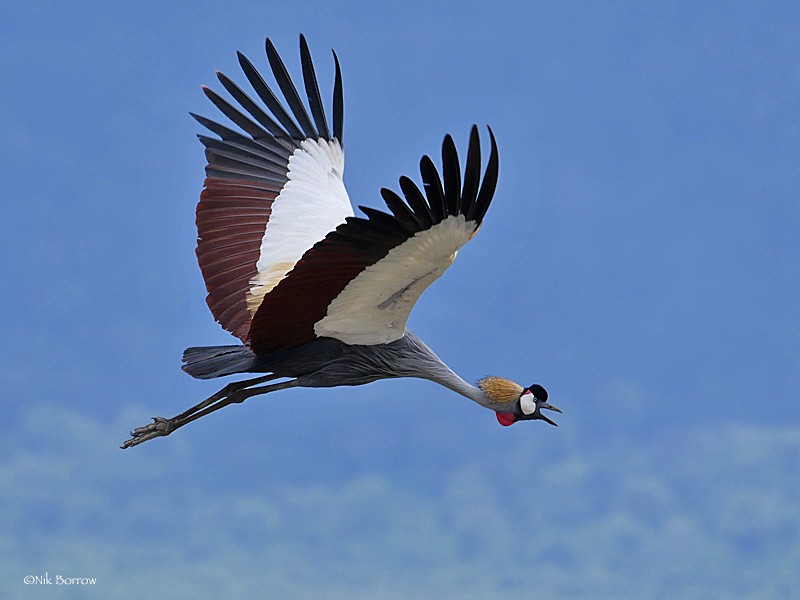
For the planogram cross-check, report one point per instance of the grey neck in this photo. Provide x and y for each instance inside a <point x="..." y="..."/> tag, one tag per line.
<point x="435" y="370"/>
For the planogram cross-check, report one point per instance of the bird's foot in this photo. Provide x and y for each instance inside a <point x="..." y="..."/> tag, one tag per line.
<point x="159" y="427"/>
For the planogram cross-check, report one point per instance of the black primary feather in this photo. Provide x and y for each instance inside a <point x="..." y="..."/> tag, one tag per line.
<point x="401" y="211"/>
<point x="269" y="98"/>
<point x="266" y="144"/>
<point x="289" y="91"/>
<point x="225" y="150"/>
<point x="247" y="103"/>
<point x="433" y="188"/>
<point x="233" y="114"/>
<point x="417" y="202"/>
<point x="312" y="90"/>
<point x="489" y="182"/>
<point x="451" y="172"/>
<point x="385" y="221"/>
<point x="472" y="173"/>
<point x="338" y="103"/>
<point x="267" y="155"/>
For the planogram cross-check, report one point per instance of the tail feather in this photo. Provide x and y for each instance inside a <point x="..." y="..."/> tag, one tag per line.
<point x="208" y="362"/>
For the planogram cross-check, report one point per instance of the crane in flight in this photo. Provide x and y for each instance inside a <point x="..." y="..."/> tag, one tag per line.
<point x="319" y="297"/>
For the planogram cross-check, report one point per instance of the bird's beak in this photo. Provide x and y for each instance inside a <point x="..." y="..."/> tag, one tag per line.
<point x="549" y="407"/>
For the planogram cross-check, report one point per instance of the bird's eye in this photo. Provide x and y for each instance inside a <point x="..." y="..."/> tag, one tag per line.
<point x="527" y="403"/>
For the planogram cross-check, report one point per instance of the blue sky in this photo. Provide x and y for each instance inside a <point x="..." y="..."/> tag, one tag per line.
<point x="640" y="260"/>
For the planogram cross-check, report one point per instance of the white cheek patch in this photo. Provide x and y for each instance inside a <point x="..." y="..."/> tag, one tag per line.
<point x="527" y="403"/>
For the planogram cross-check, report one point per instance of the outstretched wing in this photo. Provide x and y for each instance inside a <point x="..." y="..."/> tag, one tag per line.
<point x="271" y="192"/>
<point x="359" y="284"/>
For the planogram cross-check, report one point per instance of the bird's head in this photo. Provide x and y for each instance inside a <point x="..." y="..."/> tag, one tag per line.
<point x="532" y="400"/>
<point x="516" y="403"/>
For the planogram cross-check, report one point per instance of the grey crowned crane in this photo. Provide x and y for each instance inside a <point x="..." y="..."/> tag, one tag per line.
<point x="317" y="296"/>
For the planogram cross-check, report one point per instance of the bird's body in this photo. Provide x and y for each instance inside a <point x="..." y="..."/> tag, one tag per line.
<point x="319" y="297"/>
<point x="327" y="362"/>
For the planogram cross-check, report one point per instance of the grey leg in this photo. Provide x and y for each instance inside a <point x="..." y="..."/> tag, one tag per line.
<point x="229" y="389"/>
<point x="235" y="392"/>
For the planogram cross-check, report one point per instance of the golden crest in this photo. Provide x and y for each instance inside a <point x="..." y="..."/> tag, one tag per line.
<point x="499" y="390"/>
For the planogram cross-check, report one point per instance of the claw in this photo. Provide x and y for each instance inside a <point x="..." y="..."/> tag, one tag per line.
<point x="158" y="428"/>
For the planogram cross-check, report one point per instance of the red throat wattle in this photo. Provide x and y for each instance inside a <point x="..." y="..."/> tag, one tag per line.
<point x="506" y="419"/>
